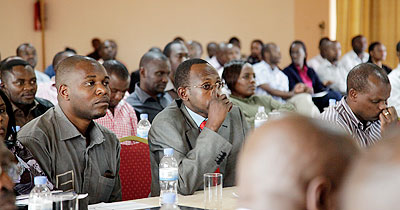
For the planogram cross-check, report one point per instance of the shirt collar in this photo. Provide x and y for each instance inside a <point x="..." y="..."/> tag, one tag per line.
<point x="69" y="131"/>
<point x="198" y="119"/>
<point x="353" y="117"/>
<point x="15" y="107"/>
<point x="143" y="96"/>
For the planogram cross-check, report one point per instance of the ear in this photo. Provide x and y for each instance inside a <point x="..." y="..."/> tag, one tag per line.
<point x="183" y="93"/>
<point x="142" y="72"/>
<point x="318" y="194"/>
<point x="352" y="94"/>
<point x="63" y="91"/>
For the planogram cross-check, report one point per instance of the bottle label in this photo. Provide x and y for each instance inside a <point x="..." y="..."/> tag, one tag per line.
<point x="168" y="174"/>
<point x="143" y="133"/>
<point x="258" y="123"/>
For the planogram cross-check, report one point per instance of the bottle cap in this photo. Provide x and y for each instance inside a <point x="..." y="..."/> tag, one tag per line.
<point x="261" y="109"/>
<point x="168" y="151"/>
<point x="39" y="180"/>
<point x="168" y="198"/>
<point x="144" y="116"/>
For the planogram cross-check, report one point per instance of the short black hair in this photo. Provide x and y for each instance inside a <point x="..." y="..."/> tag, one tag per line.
<point x="233" y="40"/>
<point x="7" y="66"/>
<point x="58" y="58"/>
<point x="322" y="40"/>
<point x="117" y="68"/>
<point x="372" y="46"/>
<point x="231" y="72"/>
<point x="70" y="49"/>
<point x="183" y="71"/>
<point x="150" y="56"/>
<point x="357" y="78"/>
<point x="398" y="47"/>
<point x="257" y="41"/>
<point x="167" y="48"/>
<point x="354" y="39"/>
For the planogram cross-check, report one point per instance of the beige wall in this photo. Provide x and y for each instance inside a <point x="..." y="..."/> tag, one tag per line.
<point x="137" y="25"/>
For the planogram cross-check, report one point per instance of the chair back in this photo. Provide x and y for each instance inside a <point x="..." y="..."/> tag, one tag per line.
<point x="135" y="169"/>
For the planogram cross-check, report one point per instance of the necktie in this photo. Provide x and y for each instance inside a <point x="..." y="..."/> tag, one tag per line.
<point x="203" y="124"/>
<point x="201" y="128"/>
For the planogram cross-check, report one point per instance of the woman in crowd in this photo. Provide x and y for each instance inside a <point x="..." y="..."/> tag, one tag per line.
<point x="299" y="72"/>
<point x="26" y="167"/>
<point x="239" y="76"/>
<point x="377" y="54"/>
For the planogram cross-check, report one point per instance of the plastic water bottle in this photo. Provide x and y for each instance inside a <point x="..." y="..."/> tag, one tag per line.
<point x="168" y="173"/>
<point x="261" y="117"/>
<point x="332" y="102"/>
<point x="143" y="126"/>
<point x="169" y="202"/>
<point x="40" y="196"/>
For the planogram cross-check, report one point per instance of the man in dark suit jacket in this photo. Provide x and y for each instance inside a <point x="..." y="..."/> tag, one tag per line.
<point x="202" y="127"/>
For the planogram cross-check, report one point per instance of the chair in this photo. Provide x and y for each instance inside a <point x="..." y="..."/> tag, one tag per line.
<point x="135" y="170"/>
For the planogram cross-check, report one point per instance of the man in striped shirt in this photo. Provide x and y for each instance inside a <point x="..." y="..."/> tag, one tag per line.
<point x="364" y="113"/>
<point x="120" y="117"/>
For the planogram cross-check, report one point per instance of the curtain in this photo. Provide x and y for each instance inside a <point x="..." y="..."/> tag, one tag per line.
<point x="377" y="20"/>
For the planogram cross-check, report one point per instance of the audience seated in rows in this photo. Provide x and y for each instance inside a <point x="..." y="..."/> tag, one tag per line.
<point x="18" y="81"/>
<point x="74" y="152"/>
<point x="363" y="112"/>
<point x="373" y="182"/>
<point x="48" y="90"/>
<point x="357" y="55"/>
<point x="299" y="72"/>
<point x="176" y="52"/>
<point x="28" y="52"/>
<point x="202" y="127"/>
<point x="120" y="117"/>
<point x="300" y="169"/>
<point x="331" y="73"/>
<point x="239" y="76"/>
<point x="377" y="54"/>
<point x="149" y="96"/>
<point x="255" y="49"/>
<point x="394" y="77"/>
<point x="317" y="60"/>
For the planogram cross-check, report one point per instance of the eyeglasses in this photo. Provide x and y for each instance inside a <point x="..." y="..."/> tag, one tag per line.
<point x="208" y="86"/>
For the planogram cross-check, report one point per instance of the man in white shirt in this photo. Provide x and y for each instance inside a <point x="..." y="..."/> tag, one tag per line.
<point x="357" y="55"/>
<point x="28" y="52"/>
<point x="316" y="61"/>
<point x="330" y="72"/>
<point x="218" y="61"/>
<point x="394" y="78"/>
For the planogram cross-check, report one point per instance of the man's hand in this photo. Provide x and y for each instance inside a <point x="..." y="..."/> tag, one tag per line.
<point x="217" y="110"/>
<point x="388" y="118"/>
<point x="299" y="88"/>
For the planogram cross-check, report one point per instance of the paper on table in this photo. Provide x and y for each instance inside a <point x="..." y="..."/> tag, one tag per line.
<point x="119" y="205"/>
<point x="320" y="94"/>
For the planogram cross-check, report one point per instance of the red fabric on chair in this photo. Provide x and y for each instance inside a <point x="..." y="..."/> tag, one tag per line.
<point x="135" y="172"/>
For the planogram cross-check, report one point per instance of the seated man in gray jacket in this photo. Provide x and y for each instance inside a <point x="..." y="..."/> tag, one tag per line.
<point x="204" y="129"/>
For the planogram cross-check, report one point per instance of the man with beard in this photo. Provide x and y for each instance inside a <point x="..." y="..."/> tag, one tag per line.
<point x="19" y="83"/>
<point x="149" y="96"/>
<point x="76" y="153"/>
<point x="202" y="127"/>
<point x="28" y="52"/>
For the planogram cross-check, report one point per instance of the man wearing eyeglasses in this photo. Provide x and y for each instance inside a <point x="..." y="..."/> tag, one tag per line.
<point x="204" y="129"/>
<point x="7" y="197"/>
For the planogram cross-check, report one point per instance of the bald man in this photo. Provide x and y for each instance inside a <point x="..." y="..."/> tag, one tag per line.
<point x="296" y="170"/>
<point x="363" y="112"/>
<point x="149" y="96"/>
<point x="373" y="182"/>
<point x="75" y="152"/>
